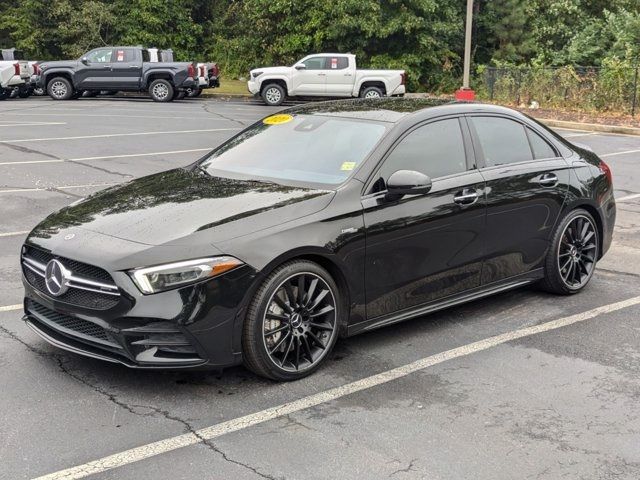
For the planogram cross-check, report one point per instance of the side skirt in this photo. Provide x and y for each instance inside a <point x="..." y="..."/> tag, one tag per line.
<point x="475" y="294"/>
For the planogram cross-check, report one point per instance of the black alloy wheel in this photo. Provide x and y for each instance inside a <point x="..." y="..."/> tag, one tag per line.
<point x="572" y="259"/>
<point x="296" y="324"/>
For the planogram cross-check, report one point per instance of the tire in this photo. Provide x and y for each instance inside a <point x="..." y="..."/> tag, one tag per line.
<point x="572" y="258"/>
<point x="372" y="92"/>
<point x="3" y="94"/>
<point x="161" y="90"/>
<point x="303" y="330"/>
<point x="195" y="93"/>
<point x="39" y="91"/>
<point x="25" y="93"/>
<point x="14" y="92"/>
<point x="273" y="94"/>
<point x="59" y="88"/>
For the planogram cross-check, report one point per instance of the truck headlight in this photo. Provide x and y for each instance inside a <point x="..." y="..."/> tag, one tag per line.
<point x="256" y="74"/>
<point x="173" y="275"/>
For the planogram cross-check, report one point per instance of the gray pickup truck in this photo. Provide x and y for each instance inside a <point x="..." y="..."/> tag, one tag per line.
<point x="126" y="69"/>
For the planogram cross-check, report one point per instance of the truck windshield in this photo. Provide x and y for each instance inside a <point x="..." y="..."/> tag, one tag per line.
<point x="301" y="148"/>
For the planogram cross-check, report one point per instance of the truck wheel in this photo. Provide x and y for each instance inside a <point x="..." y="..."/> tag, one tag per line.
<point x="161" y="90"/>
<point x="39" y="91"/>
<point x="195" y="92"/>
<point x="3" y="94"/>
<point x="60" y="89"/>
<point x="371" y="92"/>
<point x="24" y="93"/>
<point x="273" y="94"/>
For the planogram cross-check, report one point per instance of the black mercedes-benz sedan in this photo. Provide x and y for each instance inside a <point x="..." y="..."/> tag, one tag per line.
<point x="322" y="221"/>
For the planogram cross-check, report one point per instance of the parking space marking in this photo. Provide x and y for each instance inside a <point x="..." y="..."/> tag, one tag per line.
<point x="13" y="234"/>
<point x="628" y="197"/>
<point x="613" y="154"/>
<point x="11" y="308"/>
<point x="53" y="189"/>
<point x="200" y="117"/>
<point x="107" y="157"/>
<point x="31" y="124"/>
<point x="167" y="445"/>
<point x="111" y="135"/>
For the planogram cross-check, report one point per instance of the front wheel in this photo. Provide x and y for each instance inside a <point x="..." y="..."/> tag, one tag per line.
<point x="292" y="322"/>
<point x="60" y="88"/>
<point x="161" y="91"/>
<point x="572" y="258"/>
<point x="273" y="94"/>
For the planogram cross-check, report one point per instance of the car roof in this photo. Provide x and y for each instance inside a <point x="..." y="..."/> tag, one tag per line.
<point x="395" y="109"/>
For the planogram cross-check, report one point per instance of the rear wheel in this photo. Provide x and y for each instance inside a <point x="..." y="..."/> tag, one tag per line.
<point x="371" y="92"/>
<point x="60" y="88"/>
<point x="3" y="94"/>
<point x="273" y="94"/>
<point x="572" y="258"/>
<point x="39" y="91"/>
<point x="292" y="322"/>
<point x="161" y="90"/>
<point x="195" y="92"/>
<point x="24" y="93"/>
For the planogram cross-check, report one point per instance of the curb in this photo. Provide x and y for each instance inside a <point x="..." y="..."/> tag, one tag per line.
<point x="591" y="127"/>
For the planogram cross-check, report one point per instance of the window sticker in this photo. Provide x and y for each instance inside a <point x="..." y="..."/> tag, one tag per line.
<point x="334" y="63"/>
<point x="347" y="166"/>
<point x="120" y="56"/>
<point x="278" y="119"/>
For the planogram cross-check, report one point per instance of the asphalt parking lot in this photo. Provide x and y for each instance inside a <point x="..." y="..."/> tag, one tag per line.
<point x="520" y="385"/>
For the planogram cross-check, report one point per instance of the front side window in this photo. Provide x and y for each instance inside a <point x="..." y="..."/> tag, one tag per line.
<point x="503" y="141"/>
<point x="102" y="55"/>
<point x="314" y="63"/>
<point x="435" y="149"/>
<point x="310" y="149"/>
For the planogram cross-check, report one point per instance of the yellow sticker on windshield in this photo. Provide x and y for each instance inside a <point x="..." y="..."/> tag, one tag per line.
<point x="278" y="119"/>
<point x="348" y="166"/>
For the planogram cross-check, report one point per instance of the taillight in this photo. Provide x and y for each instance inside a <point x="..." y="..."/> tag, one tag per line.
<point x="606" y="170"/>
<point x="191" y="71"/>
<point x="215" y="70"/>
<point x="36" y="69"/>
<point x="403" y="78"/>
<point x="16" y="68"/>
<point x="202" y="70"/>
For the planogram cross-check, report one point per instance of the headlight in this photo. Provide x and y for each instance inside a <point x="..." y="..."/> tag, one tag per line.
<point x="172" y="275"/>
<point x="256" y="74"/>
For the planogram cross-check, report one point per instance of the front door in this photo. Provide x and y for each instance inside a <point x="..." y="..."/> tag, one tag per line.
<point x="425" y="247"/>
<point x="94" y="73"/>
<point x="527" y="182"/>
<point x="311" y="80"/>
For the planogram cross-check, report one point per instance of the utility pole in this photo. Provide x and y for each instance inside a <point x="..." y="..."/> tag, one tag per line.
<point x="465" y="93"/>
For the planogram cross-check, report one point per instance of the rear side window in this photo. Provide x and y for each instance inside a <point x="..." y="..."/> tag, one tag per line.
<point x="502" y="140"/>
<point x="337" y="63"/>
<point x="436" y="149"/>
<point x="125" y="55"/>
<point x="540" y="147"/>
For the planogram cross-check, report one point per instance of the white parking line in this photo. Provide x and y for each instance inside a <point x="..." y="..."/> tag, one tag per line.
<point x="628" y="197"/>
<point x="198" y="117"/>
<point x="613" y="154"/>
<point x="111" y="135"/>
<point x="107" y="157"/>
<point x="11" y="308"/>
<point x="52" y="188"/>
<point x="241" y="423"/>
<point x="13" y="234"/>
<point x="31" y="124"/>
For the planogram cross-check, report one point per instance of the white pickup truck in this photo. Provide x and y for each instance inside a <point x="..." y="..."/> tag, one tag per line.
<point x="324" y="75"/>
<point x="13" y="73"/>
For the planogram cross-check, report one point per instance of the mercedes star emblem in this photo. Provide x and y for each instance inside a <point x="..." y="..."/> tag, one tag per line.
<point x="56" y="278"/>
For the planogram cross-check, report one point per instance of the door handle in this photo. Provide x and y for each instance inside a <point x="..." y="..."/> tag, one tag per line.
<point x="133" y="66"/>
<point x="348" y="75"/>
<point x="106" y="66"/>
<point x="466" y="197"/>
<point x="548" y="180"/>
<point x="322" y="74"/>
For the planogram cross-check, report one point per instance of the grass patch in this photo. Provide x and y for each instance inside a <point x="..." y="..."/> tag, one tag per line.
<point x="229" y="86"/>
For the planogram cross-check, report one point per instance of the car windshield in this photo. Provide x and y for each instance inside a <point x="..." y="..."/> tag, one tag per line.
<point x="299" y="148"/>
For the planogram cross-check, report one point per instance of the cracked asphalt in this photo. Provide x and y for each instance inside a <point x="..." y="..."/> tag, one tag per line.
<point x="563" y="403"/>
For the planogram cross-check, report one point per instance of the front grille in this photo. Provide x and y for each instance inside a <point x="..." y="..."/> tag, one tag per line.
<point x="69" y="325"/>
<point x="82" y="292"/>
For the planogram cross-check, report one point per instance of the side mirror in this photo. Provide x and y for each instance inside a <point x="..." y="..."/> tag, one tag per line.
<point x="300" y="66"/>
<point x="407" y="182"/>
<point x="85" y="60"/>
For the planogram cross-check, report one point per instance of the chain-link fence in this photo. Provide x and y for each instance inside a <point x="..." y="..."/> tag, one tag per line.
<point x="611" y="88"/>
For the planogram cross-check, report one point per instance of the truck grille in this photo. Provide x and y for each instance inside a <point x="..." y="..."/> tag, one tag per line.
<point x="88" y="286"/>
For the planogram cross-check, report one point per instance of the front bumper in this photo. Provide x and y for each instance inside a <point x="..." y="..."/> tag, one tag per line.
<point x="253" y="86"/>
<point x="190" y="327"/>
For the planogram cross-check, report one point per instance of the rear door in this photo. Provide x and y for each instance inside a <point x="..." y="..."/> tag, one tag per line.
<point x="311" y="80"/>
<point x="527" y="182"/>
<point x="94" y="73"/>
<point x="421" y="248"/>
<point x="126" y="69"/>
<point x="340" y="76"/>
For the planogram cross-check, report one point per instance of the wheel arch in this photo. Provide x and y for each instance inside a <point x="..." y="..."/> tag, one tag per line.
<point x="150" y="77"/>
<point x="373" y="83"/>
<point x="594" y="211"/>
<point x="50" y="75"/>
<point x="280" y="81"/>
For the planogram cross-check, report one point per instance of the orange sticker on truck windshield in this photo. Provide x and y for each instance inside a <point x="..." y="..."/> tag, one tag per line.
<point x="278" y="119"/>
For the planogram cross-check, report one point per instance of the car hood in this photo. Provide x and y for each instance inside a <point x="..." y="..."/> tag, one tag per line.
<point x="182" y="208"/>
<point x="273" y="70"/>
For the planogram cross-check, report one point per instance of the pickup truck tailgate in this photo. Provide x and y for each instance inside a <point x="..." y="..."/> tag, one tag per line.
<point x="25" y="73"/>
